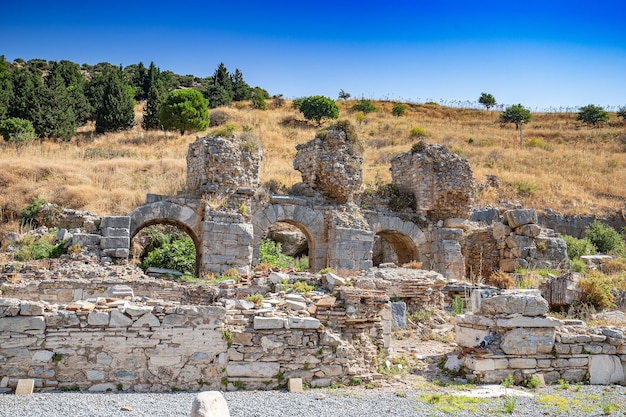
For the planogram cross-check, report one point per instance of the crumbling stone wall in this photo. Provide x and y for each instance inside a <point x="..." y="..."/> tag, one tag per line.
<point x="331" y="164"/>
<point x="510" y="334"/>
<point x="441" y="182"/>
<point x="223" y="165"/>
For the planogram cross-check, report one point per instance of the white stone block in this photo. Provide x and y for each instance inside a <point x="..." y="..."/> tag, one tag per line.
<point x="476" y="364"/>
<point x="268" y="323"/>
<point x="605" y="369"/>
<point x="118" y="319"/>
<point x="42" y="356"/>
<point x="209" y="404"/>
<point x="98" y="318"/>
<point x="295" y="385"/>
<point x="252" y="369"/>
<point x="303" y="323"/>
<point x="469" y="337"/>
<point x="24" y="386"/>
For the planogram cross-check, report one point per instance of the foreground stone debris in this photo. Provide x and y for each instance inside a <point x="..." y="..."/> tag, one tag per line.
<point x="209" y="404"/>
<point x="510" y="335"/>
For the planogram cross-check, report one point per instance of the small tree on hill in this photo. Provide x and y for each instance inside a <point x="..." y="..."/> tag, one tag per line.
<point x="519" y="115"/>
<point x="113" y="100"/>
<point x="592" y="115"/>
<point x="317" y="108"/>
<point x="343" y="95"/>
<point x="622" y="113"/>
<point x="17" y="131"/>
<point x="487" y="100"/>
<point x="398" y="109"/>
<point x="365" y="105"/>
<point x="184" y="110"/>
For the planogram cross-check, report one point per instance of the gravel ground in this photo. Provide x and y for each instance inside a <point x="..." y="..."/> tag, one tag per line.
<point x="348" y="402"/>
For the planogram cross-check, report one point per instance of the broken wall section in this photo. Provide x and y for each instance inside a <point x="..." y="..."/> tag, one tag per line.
<point x="511" y="335"/>
<point x="441" y="182"/>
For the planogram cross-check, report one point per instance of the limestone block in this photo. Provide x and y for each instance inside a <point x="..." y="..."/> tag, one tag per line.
<point x="118" y="222"/>
<point x="605" y="369"/>
<point x="510" y="265"/>
<point x="136" y="310"/>
<point x="295" y="385"/>
<point x="158" y="359"/>
<point x="398" y="315"/>
<point x="98" y="318"/>
<point x="333" y="281"/>
<point x="501" y="363"/>
<point x="118" y="319"/>
<point x="478" y="364"/>
<point x="469" y="337"/>
<point x="277" y="277"/>
<point x="86" y="240"/>
<point x="114" y="232"/>
<point x="104" y="387"/>
<point x="453" y="363"/>
<point x="62" y="318"/>
<point x="303" y="323"/>
<point x="94" y="375"/>
<point x="522" y="363"/>
<point x="475" y="319"/>
<point x="22" y="324"/>
<point x="577" y="362"/>
<point x="119" y="291"/>
<point x="530" y="230"/>
<point x="31" y="308"/>
<point x="176" y="320"/>
<point x="268" y="323"/>
<point x="574" y="375"/>
<point x="517" y="241"/>
<point x="520" y="217"/>
<point x="525" y="321"/>
<point x="24" y="386"/>
<point x="528" y="341"/>
<point x="114" y="242"/>
<point x="9" y="307"/>
<point x="330" y="339"/>
<point x="528" y="305"/>
<point x="42" y="356"/>
<point x="148" y="319"/>
<point x="252" y="369"/>
<point x="500" y="231"/>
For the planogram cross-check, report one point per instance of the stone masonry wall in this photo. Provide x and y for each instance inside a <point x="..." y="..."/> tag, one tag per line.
<point x="117" y="344"/>
<point x="441" y="182"/>
<point x="510" y="335"/>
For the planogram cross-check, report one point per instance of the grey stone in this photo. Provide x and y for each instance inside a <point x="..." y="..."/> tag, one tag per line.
<point x="252" y="369"/>
<point x="9" y="307"/>
<point x="605" y="369"/>
<point x="117" y="222"/>
<point x="295" y="305"/>
<point x="86" y="240"/>
<point x="31" y="308"/>
<point x="148" y="319"/>
<point x="303" y="323"/>
<point x="114" y="242"/>
<point x="528" y="341"/>
<point x="119" y="291"/>
<point x="520" y="217"/>
<point x="398" y="314"/>
<point x="511" y="304"/>
<point x="268" y="323"/>
<point x="98" y="318"/>
<point x="22" y="324"/>
<point x="118" y="319"/>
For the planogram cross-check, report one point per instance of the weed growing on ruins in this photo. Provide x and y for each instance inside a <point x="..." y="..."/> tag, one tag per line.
<point x="239" y="385"/>
<point x="562" y="384"/>
<point x="306" y="366"/>
<point x="458" y="305"/>
<point x="120" y="386"/>
<point x="69" y="388"/>
<point x="596" y="290"/>
<point x="532" y="382"/>
<point x="257" y="299"/>
<point x="509" y="404"/>
<point x="608" y="406"/>
<point x="501" y="280"/>
<point x="452" y="403"/>
<point x="57" y="357"/>
<point x="270" y="252"/>
<point x="178" y="254"/>
<point x="227" y="335"/>
<point x="31" y="248"/>
<point x="302" y="287"/>
<point x="224" y="381"/>
<point x="605" y="238"/>
<point x="355" y="381"/>
<point x="508" y="382"/>
<point x="28" y="215"/>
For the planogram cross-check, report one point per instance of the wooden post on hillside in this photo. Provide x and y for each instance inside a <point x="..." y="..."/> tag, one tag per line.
<point x="521" y="135"/>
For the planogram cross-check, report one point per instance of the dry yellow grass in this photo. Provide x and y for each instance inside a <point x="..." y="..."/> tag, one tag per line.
<point x="570" y="168"/>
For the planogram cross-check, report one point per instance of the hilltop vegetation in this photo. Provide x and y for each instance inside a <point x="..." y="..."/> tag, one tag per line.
<point x="565" y="164"/>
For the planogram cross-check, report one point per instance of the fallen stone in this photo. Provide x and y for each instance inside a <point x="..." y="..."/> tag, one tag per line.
<point x="520" y="217"/>
<point x="398" y="315"/>
<point x="295" y="385"/>
<point x="333" y="280"/>
<point x="277" y="277"/>
<point x="209" y="404"/>
<point x="24" y="386"/>
<point x="303" y="323"/>
<point x="605" y="369"/>
<point x="119" y="291"/>
<point x="118" y="319"/>
<point x="295" y="305"/>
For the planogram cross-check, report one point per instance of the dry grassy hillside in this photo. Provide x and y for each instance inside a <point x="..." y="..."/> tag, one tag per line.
<point x="566" y="166"/>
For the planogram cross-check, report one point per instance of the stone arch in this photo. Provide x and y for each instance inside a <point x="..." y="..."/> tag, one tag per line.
<point x="404" y="237"/>
<point x="309" y="221"/>
<point x="165" y="212"/>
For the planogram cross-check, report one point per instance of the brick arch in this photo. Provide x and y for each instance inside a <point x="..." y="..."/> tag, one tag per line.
<point x="310" y="222"/>
<point x="165" y="212"/>
<point x="404" y="237"/>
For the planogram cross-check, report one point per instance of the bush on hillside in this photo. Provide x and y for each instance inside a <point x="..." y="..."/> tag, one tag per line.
<point x="179" y="255"/>
<point x="605" y="238"/>
<point x="578" y="247"/>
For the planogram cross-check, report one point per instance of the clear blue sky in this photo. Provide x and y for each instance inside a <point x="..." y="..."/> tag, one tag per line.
<point x="537" y="53"/>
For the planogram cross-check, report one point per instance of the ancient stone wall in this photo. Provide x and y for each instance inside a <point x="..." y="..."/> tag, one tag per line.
<point x="510" y="335"/>
<point x="223" y="165"/>
<point x="441" y="182"/>
<point x="331" y="165"/>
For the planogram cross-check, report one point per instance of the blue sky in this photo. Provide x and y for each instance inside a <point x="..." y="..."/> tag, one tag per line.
<point x="538" y="53"/>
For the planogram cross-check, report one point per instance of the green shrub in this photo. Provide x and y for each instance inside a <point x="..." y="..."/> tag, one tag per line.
<point x="365" y="105"/>
<point x="578" y="265"/>
<point x="270" y="253"/>
<point x="42" y="248"/>
<point x="605" y="238"/>
<point x="578" y="247"/>
<point x="458" y="305"/>
<point x="596" y="290"/>
<point x="179" y="255"/>
<point x="17" y="131"/>
<point x="398" y="109"/>
<point x="28" y="215"/>
<point x="418" y="132"/>
<point x="537" y="143"/>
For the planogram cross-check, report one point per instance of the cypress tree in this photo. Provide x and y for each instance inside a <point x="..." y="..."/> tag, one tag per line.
<point x="156" y="96"/>
<point x="116" y="111"/>
<point x="241" y="90"/>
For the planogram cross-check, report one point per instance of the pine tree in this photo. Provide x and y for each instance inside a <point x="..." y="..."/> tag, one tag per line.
<point x="74" y="82"/>
<point x="156" y="97"/>
<point x="116" y="110"/>
<point x="220" y="89"/>
<point x="6" y="88"/>
<point x="56" y="117"/>
<point x="184" y="110"/>
<point x="241" y="90"/>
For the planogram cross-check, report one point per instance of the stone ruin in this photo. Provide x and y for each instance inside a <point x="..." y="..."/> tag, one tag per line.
<point x="92" y="330"/>
<point x="509" y="334"/>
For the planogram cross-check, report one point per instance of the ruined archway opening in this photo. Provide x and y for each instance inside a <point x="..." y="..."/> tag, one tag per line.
<point x="292" y="240"/>
<point x="166" y="248"/>
<point x="391" y="246"/>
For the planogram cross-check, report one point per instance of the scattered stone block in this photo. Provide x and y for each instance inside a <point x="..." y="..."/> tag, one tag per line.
<point x="209" y="404"/>
<point x="24" y="386"/>
<point x="295" y="385"/>
<point x="268" y="323"/>
<point x="605" y="369"/>
<point x="520" y="217"/>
